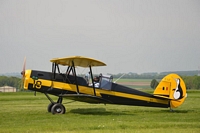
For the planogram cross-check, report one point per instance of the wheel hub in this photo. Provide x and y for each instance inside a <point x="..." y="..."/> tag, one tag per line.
<point x="58" y="110"/>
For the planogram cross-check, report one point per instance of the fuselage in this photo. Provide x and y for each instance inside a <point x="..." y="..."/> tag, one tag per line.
<point x="62" y="84"/>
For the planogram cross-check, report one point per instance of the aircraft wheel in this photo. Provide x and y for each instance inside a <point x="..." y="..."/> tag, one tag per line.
<point x="50" y="106"/>
<point x="58" y="109"/>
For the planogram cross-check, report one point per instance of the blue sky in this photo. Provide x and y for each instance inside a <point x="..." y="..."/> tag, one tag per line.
<point x="128" y="35"/>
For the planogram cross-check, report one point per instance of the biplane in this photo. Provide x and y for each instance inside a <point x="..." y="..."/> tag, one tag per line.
<point x="170" y="92"/>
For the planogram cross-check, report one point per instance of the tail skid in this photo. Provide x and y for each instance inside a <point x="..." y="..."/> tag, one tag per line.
<point x="172" y="87"/>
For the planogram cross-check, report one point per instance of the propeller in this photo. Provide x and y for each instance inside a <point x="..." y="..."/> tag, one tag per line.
<point x="23" y="72"/>
<point x="24" y="68"/>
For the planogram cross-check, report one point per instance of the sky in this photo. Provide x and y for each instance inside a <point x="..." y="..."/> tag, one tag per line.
<point x="128" y="35"/>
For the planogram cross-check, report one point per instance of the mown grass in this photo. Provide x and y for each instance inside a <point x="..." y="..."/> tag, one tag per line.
<point x="25" y="113"/>
<point x="134" y="82"/>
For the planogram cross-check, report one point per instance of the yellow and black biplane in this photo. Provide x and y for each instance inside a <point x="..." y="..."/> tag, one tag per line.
<point x="170" y="93"/>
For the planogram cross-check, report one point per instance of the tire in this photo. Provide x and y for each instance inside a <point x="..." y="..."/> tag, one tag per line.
<point x="58" y="109"/>
<point x="50" y="106"/>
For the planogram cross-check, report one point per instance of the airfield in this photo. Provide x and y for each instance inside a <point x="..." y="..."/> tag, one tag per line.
<point x="24" y="112"/>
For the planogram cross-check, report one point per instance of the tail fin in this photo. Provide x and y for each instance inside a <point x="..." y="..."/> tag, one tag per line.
<point x="173" y="88"/>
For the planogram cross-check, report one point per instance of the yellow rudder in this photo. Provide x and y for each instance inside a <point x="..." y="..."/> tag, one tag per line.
<point x="173" y="88"/>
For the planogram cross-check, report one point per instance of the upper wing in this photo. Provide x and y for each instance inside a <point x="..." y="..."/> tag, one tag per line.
<point x="78" y="61"/>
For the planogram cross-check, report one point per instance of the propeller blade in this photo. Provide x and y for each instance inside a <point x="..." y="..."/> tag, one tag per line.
<point x="24" y="67"/>
<point x="23" y="73"/>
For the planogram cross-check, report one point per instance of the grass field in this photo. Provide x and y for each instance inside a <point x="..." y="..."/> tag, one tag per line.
<point x="135" y="83"/>
<point x="22" y="112"/>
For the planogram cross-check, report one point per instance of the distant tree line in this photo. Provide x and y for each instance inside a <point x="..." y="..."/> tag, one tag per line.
<point x="155" y="75"/>
<point x="139" y="76"/>
<point x="10" y="81"/>
<point x="192" y="82"/>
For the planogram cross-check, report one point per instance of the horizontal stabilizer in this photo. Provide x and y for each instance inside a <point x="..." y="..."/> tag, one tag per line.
<point x="163" y="97"/>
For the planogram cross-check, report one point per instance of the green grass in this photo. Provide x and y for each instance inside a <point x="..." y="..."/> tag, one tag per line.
<point x="25" y="113"/>
<point x="133" y="81"/>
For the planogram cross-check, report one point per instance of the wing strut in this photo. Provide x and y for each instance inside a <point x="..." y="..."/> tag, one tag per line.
<point x="54" y="66"/>
<point x="92" y="81"/>
<point x="74" y="71"/>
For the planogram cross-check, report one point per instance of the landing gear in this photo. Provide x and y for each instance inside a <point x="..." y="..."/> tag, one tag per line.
<point x="50" y="106"/>
<point x="171" y="110"/>
<point x="56" y="107"/>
